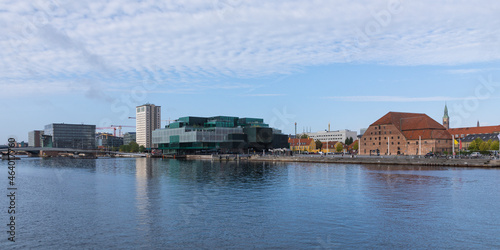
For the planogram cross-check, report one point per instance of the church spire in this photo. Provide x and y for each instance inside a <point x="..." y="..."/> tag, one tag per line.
<point x="446" y="118"/>
<point x="445" y="111"/>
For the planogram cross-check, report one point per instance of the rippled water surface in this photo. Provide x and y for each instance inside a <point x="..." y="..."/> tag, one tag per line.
<point x="155" y="203"/>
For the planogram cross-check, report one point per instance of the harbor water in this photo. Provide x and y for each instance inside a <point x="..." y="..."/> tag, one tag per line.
<point x="179" y="204"/>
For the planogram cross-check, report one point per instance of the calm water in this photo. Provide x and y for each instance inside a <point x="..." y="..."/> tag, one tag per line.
<point x="155" y="203"/>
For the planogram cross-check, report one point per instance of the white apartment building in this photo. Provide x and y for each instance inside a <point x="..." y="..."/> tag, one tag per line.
<point x="339" y="135"/>
<point x="148" y="118"/>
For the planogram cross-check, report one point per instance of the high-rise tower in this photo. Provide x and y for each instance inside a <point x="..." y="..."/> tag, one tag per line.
<point x="148" y="118"/>
<point x="446" y="118"/>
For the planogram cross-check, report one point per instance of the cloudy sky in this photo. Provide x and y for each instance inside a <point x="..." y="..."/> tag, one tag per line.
<point x="311" y="62"/>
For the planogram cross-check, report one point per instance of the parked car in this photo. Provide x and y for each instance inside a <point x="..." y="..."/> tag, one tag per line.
<point x="429" y="155"/>
<point x="475" y="155"/>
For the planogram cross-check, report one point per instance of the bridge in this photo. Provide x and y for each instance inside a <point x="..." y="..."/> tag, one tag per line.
<point x="56" y="151"/>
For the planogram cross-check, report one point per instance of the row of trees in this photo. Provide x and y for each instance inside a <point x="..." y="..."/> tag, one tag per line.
<point x="339" y="147"/>
<point x="132" y="147"/>
<point x="479" y="145"/>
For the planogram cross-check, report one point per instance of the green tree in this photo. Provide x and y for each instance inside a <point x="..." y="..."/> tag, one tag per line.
<point x="134" y="147"/>
<point x="124" y="148"/>
<point x="355" y="146"/>
<point x="488" y="144"/>
<point x="319" y="144"/>
<point x="142" y="148"/>
<point x="339" y="147"/>
<point x="304" y="136"/>
<point x="494" y="145"/>
<point x="483" y="146"/>
<point x="475" y="144"/>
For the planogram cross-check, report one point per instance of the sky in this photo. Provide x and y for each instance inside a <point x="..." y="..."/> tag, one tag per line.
<point x="314" y="63"/>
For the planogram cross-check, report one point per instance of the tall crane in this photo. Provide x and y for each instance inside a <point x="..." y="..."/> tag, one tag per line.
<point x="120" y="128"/>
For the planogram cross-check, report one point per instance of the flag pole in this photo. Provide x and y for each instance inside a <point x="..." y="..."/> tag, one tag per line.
<point x="453" y="145"/>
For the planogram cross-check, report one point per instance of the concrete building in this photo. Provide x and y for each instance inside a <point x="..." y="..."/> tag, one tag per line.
<point x="405" y="133"/>
<point x="34" y="138"/>
<point x="128" y="137"/>
<point x="339" y="135"/>
<point x="60" y="135"/>
<point x="148" y="118"/>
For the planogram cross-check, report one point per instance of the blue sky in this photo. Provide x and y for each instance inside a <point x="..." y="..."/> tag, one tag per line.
<point x="310" y="62"/>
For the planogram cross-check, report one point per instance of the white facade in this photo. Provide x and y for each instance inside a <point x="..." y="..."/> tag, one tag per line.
<point x="148" y="118"/>
<point x="339" y="135"/>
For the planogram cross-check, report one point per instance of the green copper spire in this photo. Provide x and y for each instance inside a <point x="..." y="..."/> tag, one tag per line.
<point x="445" y="111"/>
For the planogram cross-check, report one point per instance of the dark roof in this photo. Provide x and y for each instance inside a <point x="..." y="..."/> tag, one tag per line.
<point x="484" y="137"/>
<point x="415" y="125"/>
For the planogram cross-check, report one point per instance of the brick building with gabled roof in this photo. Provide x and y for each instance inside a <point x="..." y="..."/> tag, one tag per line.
<point x="405" y="133"/>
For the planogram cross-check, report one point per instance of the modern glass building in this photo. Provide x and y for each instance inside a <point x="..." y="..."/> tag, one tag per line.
<point x="105" y="140"/>
<point x="62" y="135"/>
<point x="224" y="134"/>
<point x="129" y="137"/>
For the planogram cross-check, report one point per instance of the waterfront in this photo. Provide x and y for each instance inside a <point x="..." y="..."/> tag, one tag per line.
<point x="155" y="203"/>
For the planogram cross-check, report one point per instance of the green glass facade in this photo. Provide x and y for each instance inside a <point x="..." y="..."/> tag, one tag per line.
<point x="220" y="133"/>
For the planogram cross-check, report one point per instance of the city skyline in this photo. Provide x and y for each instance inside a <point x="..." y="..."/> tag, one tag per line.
<point x="312" y="63"/>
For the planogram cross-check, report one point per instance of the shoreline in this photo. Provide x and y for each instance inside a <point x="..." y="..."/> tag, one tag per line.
<point x="381" y="160"/>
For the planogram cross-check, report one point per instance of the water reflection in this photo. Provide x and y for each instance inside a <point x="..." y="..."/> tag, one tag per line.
<point x="62" y="163"/>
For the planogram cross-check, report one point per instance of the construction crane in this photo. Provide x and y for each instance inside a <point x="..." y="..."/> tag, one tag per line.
<point x="120" y="128"/>
<point x="113" y="128"/>
<point x="132" y="117"/>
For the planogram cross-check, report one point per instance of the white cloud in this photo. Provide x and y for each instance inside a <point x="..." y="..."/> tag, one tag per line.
<point x="235" y="38"/>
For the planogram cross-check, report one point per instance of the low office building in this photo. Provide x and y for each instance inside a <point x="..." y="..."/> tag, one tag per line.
<point x="338" y="135"/>
<point x="106" y="141"/>
<point x="405" y="133"/>
<point x="60" y="135"/>
<point x="223" y="134"/>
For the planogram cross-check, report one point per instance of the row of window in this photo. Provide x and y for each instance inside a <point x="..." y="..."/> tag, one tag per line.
<point x="380" y="138"/>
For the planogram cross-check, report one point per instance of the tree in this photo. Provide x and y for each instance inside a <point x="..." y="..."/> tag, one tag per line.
<point x="142" y="148"/>
<point x="494" y="145"/>
<point x="488" y="144"/>
<point x="319" y="144"/>
<point x="355" y="146"/>
<point x="483" y="146"/>
<point x="304" y="136"/>
<point x="134" y="147"/>
<point x="474" y="145"/>
<point x="339" y="147"/>
<point x="124" y="148"/>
